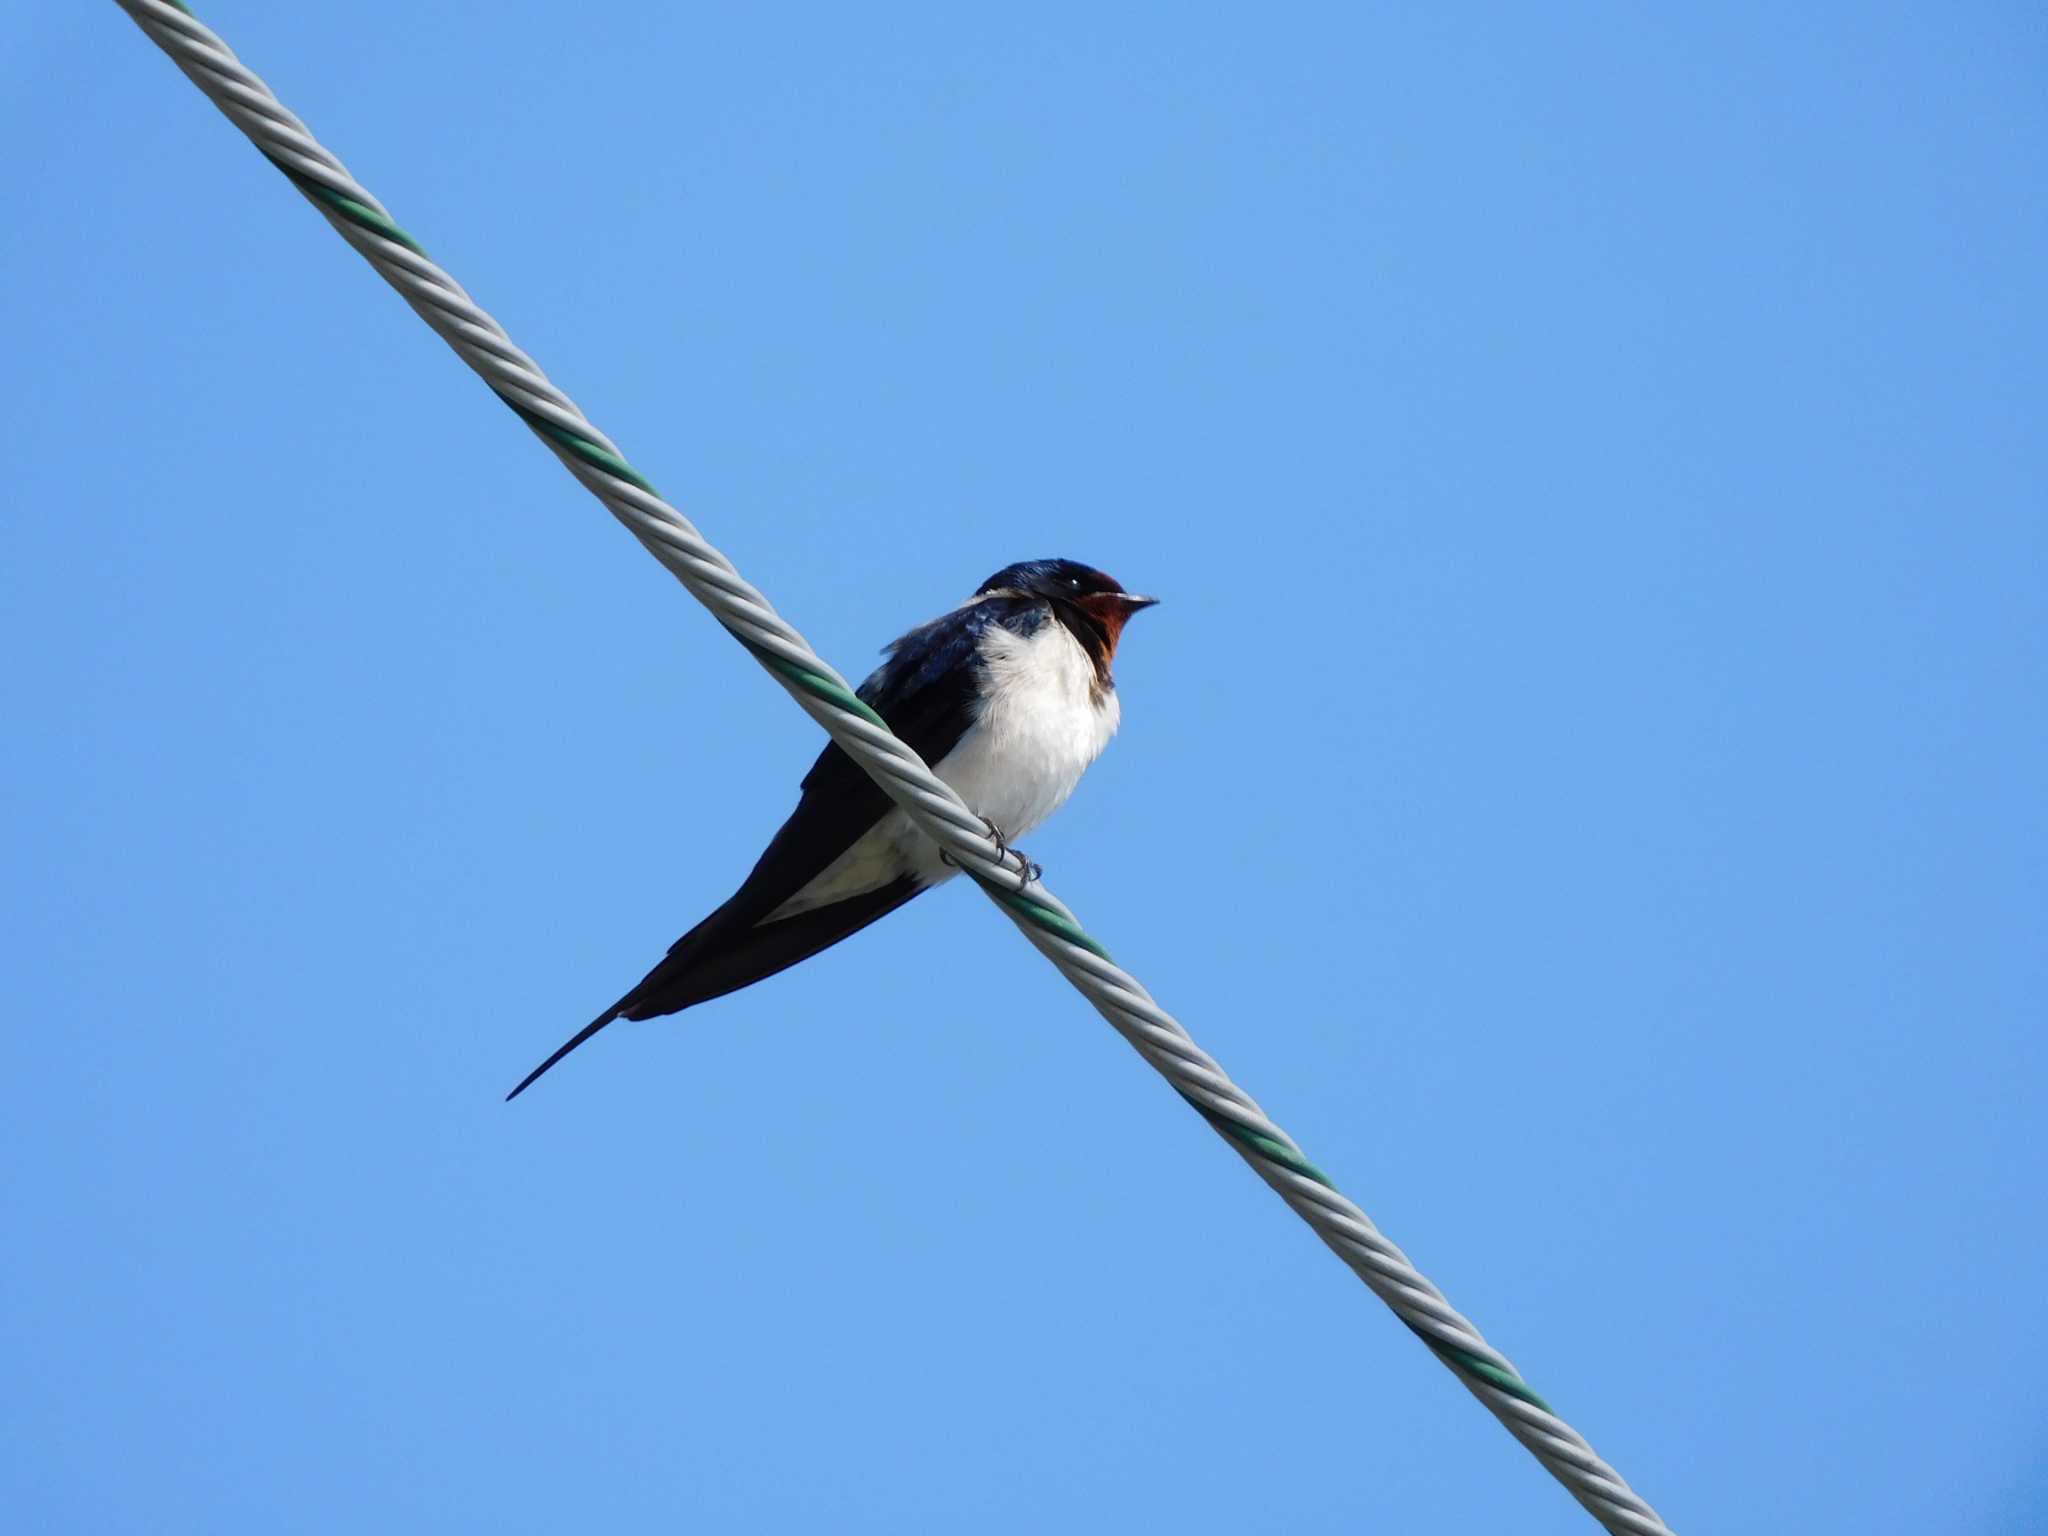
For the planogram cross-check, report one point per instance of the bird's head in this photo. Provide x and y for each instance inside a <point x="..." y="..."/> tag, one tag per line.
<point x="1076" y="592"/>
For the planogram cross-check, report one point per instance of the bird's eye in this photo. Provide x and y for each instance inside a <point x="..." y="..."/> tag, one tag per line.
<point x="1074" y="582"/>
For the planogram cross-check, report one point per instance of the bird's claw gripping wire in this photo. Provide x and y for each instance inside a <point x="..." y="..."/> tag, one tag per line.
<point x="1029" y="870"/>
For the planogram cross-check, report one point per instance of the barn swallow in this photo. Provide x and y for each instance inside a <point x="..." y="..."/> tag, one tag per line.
<point x="1008" y="698"/>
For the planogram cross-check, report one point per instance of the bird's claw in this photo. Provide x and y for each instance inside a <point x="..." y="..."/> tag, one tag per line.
<point x="1028" y="868"/>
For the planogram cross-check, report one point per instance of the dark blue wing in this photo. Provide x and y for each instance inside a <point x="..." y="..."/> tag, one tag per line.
<point x="929" y="691"/>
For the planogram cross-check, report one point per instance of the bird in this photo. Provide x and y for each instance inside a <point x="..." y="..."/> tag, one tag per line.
<point x="1008" y="698"/>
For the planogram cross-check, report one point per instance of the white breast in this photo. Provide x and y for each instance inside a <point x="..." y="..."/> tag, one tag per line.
<point x="1040" y="728"/>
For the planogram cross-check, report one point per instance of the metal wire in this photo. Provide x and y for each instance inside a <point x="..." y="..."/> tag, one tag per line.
<point x="937" y="811"/>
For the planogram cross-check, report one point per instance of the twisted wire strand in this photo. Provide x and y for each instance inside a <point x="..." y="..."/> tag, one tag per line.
<point x="933" y="806"/>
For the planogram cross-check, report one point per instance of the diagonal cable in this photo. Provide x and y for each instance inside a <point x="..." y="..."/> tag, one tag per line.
<point x="937" y="811"/>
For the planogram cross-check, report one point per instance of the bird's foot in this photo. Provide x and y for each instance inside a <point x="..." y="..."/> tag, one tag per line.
<point x="1028" y="867"/>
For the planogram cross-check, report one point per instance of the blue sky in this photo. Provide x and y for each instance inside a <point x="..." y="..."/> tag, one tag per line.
<point x="1585" y="778"/>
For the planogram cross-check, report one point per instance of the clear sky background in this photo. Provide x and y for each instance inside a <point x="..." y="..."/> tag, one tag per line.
<point x="1588" y="777"/>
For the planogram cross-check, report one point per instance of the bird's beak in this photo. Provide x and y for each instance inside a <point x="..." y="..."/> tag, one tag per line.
<point x="1112" y="609"/>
